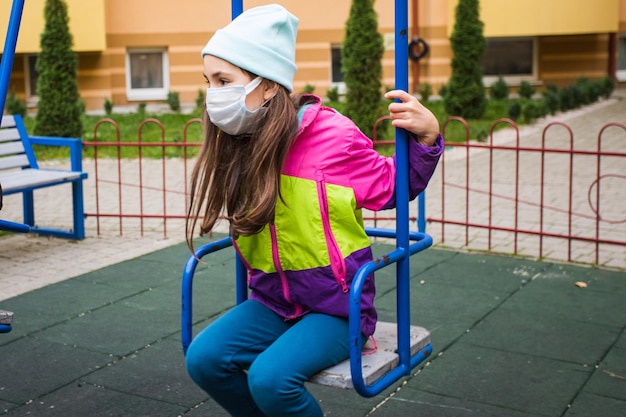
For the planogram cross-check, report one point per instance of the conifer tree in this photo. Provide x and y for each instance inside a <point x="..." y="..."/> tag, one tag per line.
<point x="465" y="93"/>
<point x="59" y="108"/>
<point x="361" y="65"/>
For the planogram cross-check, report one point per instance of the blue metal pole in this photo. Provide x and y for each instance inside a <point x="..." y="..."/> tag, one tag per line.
<point x="6" y="65"/>
<point x="421" y="212"/>
<point x="240" y="270"/>
<point x="236" y="8"/>
<point x="402" y="189"/>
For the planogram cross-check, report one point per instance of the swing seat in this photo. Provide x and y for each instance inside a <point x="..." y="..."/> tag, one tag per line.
<point x="401" y="347"/>
<point x="379" y="363"/>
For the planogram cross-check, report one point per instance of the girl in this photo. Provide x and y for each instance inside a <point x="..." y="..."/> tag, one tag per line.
<point x="291" y="176"/>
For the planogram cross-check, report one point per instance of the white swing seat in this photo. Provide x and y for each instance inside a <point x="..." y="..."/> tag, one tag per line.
<point x="377" y="364"/>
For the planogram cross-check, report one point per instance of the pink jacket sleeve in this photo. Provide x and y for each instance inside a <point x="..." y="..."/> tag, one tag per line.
<point x="372" y="175"/>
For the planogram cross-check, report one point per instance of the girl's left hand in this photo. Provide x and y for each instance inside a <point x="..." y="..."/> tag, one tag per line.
<point x="411" y="115"/>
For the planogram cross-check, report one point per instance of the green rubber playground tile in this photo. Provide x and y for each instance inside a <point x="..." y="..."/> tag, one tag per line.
<point x="80" y="399"/>
<point x="122" y="328"/>
<point x="587" y="404"/>
<point x="604" y="280"/>
<point x="558" y="296"/>
<point x="157" y="372"/>
<point x="609" y="379"/>
<point x="542" y="335"/>
<point x="56" y="304"/>
<point x="344" y="403"/>
<point x="5" y="406"/>
<point x="434" y="305"/>
<point x="33" y="367"/>
<point x="447" y="312"/>
<point x="520" y="382"/>
<point x="488" y="272"/>
<point x="412" y="402"/>
<point x="205" y="409"/>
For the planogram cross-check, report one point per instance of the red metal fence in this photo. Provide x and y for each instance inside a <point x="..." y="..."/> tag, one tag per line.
<point x="545" y="194"/>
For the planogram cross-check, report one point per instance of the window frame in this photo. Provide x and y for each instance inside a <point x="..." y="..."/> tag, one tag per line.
<point x="145" y="94"/>
<point x="31" y="96"/>
<point x="516" y="79"/>
<point x="340" y="85"/>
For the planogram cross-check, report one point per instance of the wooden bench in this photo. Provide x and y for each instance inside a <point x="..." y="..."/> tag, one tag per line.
<point x="20" y="173"/>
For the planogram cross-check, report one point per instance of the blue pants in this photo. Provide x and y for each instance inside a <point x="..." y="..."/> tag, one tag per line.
<point x="279" y="357"/>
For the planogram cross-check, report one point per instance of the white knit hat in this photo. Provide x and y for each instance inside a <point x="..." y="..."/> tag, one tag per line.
<point x="261" y="40"/>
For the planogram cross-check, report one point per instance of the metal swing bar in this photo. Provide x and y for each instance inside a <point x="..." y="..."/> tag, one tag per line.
<point x="8" y="55"/>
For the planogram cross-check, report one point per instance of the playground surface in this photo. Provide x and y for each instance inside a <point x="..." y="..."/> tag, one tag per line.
<point x="96" y="330"/>
<point x="511" y="337"/>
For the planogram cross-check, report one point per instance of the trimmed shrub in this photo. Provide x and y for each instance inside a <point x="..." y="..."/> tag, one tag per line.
<point x="14" y="105"/>
<point x="108" y="107"/>
<point x="466" y="93"/>
<point x="567" y="98"/>
<point x="531" y="110"/>
<point x="200" y="99"/>
<point x="443" y="90"/>
<point x="551" y="100"/>
<point x="607" y="85"/>
<point x="526" y="90"/>
<point x="425" y="90"/>
<point x="362" y="51"/>
<point x="59" y="109"/>
<point x="333" y="94"/>
<point x="173" y="100"/>
<point x="515" y="110"/>
<point x="499" y="90"/>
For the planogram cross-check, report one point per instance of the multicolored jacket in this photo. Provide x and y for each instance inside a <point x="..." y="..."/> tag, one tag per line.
<point x="305" y="260"/>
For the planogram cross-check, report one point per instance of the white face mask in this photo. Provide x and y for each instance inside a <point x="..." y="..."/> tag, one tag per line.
<point x="226" y="107"/>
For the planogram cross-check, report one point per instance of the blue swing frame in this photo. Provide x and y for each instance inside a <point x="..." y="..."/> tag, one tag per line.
<point x="6" y="64"/>
<point x="399" y="256"/>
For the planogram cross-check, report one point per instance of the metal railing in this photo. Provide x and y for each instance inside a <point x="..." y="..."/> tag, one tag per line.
<point x="547" y="198"/>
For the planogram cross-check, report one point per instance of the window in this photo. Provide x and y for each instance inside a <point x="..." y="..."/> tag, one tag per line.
<point x="31" y="77"/>
<point x="336" y="75"/>
<point x="511" y="58"/>
<point x="147" y="74"/>
<point x="621" y="57"/>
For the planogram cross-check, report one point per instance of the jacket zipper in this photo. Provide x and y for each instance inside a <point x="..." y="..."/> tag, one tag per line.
<point x="281" y="273"/>
<point x="337" y="262"/>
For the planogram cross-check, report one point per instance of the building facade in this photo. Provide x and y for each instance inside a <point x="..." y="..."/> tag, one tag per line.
<point x="138" y="51"/>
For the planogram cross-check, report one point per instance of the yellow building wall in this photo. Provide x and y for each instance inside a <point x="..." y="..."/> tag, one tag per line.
<point x="86" y="23"/>
<point x="541" y="17"/>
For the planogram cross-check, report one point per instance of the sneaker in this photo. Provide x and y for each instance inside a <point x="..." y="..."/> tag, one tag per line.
<point x="6" y="317"/>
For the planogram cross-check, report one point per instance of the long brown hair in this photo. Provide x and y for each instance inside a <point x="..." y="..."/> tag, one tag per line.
<point x="242" y="174"/>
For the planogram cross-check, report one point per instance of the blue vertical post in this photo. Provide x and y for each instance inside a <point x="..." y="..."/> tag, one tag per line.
<point x="421" y="212"/>
<point x="402" y="188"/>
<point x="240" y="270"/>
<point x="6" y="65"/>
<point x="236" y="8"/>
